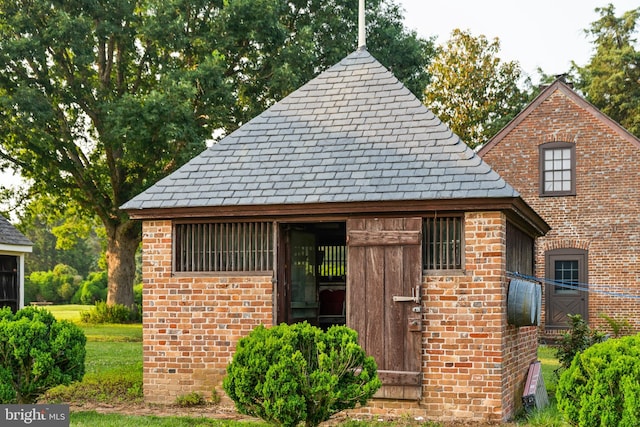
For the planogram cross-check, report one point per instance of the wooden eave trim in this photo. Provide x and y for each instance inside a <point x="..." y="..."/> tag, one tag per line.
<point x="12" y="249"/>
<point x="342" y="211"/>
<point x="523" y="216"/>
<point x="599" y="115"/>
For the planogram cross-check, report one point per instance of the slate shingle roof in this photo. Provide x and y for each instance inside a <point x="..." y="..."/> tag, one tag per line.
<point x="353" y="134"/>
<point x="9" y="235"/>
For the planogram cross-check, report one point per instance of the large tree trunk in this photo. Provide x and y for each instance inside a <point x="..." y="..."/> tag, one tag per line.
<point x="123" y="241"/>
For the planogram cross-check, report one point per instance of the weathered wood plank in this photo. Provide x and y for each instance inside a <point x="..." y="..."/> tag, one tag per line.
<point x="400" y="377"/>
<point x="356" y="286"/>
<point x="375" y="304"/>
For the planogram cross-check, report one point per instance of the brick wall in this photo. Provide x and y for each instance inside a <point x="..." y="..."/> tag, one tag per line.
<point x="603" y="217"/>
<point x="191" y="324"/>
<point x="474" y="364"/>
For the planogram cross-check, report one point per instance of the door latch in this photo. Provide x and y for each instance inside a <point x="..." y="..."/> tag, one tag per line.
<point x="415" y="296"/>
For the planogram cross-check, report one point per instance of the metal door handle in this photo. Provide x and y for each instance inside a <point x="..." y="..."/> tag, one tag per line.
<point x="415" y="296"/>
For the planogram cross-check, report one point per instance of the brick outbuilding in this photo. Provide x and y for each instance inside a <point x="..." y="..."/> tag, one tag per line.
<point x="347" y="202"/>
<point x="581" y="171"/>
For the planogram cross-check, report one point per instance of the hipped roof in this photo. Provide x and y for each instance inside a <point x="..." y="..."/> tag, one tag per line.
<point x="11" y="238"/>
<point x="354" y="133"/>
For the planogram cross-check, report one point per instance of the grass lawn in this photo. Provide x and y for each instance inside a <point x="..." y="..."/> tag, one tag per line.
<point x="93" y="419"/>
<point x="549" y="362"/>
<point x="69" y="312"/>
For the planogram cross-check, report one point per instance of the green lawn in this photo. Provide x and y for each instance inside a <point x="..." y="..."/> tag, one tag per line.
<point x="69" y="312"/>
<point x="105" y="356"/>
<point x="549" y="362"/>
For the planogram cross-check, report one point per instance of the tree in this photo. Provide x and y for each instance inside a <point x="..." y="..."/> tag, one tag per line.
<point x="611" y="80"/>
<point x="61" y="234"/>
<point x="471" y="89"/>
<point x="99" y="100"/>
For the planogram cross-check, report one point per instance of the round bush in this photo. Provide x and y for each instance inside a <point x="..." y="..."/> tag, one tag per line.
<point x="290" y="374"/>
<point x="602" y="385"/>
<point x="37" y="353"/>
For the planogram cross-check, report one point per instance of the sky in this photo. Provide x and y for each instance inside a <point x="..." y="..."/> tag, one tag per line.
<point x="546" y="34"/>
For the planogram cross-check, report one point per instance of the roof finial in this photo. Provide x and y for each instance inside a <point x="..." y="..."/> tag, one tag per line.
<point x="362" y="37"/>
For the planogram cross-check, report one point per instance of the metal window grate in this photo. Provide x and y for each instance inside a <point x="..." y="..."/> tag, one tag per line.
<point x="241" y="246"/>
<point x="332" y="260"/>
<point x="442" y="246"/>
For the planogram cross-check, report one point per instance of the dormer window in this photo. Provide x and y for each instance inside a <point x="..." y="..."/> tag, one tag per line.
<point x="558" y="169"/>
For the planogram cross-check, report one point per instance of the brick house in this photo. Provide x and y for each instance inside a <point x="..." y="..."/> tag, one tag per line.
<point x="13" y="248"/>
<point x="581" y="171"/>
<point x="347" y="202"/>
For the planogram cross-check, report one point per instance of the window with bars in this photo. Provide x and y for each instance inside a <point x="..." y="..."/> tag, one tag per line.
<point x="442" y="243"/>
<point x="214" y="246"/>
<point x="557" y="169"/>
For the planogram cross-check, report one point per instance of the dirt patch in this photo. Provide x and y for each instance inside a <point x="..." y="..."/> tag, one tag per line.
<point x="228" y="413"/>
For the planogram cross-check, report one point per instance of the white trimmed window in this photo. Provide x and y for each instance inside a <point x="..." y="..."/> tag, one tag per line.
<point x="557" y="169"/>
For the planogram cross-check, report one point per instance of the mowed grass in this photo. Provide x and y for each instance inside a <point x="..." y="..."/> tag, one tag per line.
<point x="93" y="419"/>
<point x="549" y="362"/>
<point x="69" y="312"/>
<point x="113" y="362"/>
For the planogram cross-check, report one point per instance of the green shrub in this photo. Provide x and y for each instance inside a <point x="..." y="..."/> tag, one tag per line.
<point x="109" y="313"/>
<point x="37" y="352"/>
<point x="289" y="374"/>
<point x="92" y="290"/>
<point x="137" y="294"/>
<point x="619" y="327"/>
<point x="106" y="387"/>
<point x="58" y="285"/>
<point x="579" y="338"/>
<point x="190" y="400"/>
<point x="602" y="386"/>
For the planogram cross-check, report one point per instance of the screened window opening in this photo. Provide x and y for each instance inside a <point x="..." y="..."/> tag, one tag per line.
<point x="557" y="169"/>
<point x="442" y="243"/>
<point x="211" y="246"/>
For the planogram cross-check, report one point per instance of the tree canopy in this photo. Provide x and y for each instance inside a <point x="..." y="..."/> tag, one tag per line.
<point x="611" y="80"/>
<point x="472" y="89"/>
<point x="61" y="234"/>
<point x="99" y="100"/>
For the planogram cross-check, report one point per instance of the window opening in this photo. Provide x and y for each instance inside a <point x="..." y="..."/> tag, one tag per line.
<point x="557" y="166"/>
<point x="442" y="243"/>
<point x="213" y="246"/>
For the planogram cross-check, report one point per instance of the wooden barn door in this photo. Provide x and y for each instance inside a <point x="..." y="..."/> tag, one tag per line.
<point x="383" y="299"/>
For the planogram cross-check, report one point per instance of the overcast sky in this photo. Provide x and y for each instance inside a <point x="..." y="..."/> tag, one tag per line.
<point x="536" y="33"/>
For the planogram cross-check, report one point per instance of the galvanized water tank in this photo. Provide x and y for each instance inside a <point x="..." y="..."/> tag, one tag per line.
<point x="524" y="303"/>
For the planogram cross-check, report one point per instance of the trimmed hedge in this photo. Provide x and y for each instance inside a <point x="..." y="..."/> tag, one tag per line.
<point x="290" y="374"/>
<point x="37" y="352"/>
<point x="602" y="385"/>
